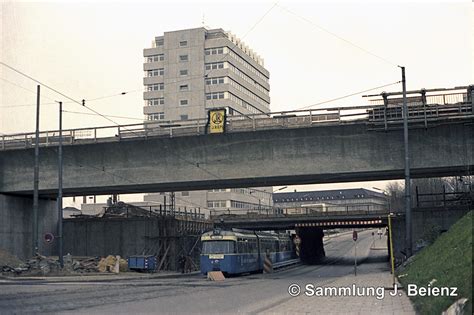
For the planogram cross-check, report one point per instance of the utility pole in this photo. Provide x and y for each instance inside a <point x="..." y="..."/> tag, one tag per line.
<point x="173" y="201"/>
<point x="36" y="175"/>
<point x="60" y="187"/>
<point x="408" y="223"/>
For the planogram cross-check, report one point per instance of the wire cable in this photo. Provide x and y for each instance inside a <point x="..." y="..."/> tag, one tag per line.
<point x="348" y="95"/>
<point x="121" y="117"/>
<point x="337" y="36"/>
<point x="24" y="88"/>
<point x="62" y="94"/>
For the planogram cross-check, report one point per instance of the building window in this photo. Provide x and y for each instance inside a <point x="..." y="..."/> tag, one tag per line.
<point x="160" y="42"/>
<point x="183" y="102"/>
<point x="217" y="204"/>
<point x="185" y="193"/>
<point x="214" y="66"/>
<point x="156" y="87"/>
<point x="215" y="96"/>
<point x="183" y="72"/>
<point x="156" y="116"/>
<point x="183" y="58"/>
<point x="156" y="101"/>
<point x="155" y="58"/>
<point x="214" y="51"/>
<point x="214" y="81"/>
<point x="155" y="72"/>
<point x="183" y="43"/>
<point x="183" y="117"/>
<point x="184" y="87"/>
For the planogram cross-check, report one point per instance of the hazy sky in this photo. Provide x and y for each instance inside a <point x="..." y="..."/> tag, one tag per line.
<point x="88" y="50"/>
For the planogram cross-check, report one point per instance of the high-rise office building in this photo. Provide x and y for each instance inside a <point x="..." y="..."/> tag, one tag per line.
<point x="188" y="72"/>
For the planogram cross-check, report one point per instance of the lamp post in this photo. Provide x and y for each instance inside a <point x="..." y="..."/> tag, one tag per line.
<point x="60" y="187"/>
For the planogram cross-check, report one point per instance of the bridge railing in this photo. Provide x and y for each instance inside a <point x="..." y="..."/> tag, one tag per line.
<point x="334" y="210"/>
<point x="372" y="114"/>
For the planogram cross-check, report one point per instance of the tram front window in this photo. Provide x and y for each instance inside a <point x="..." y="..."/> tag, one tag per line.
<point x="218" y="247"/>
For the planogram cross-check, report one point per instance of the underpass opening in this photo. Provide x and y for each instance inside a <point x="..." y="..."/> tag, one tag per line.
<point x="316" y="245"/>
<point x="311" y="247"/>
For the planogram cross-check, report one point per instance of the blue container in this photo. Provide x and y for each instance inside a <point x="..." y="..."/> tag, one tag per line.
<point x="142" y="263"/>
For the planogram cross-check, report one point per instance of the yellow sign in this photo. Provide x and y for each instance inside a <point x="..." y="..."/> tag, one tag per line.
<point x="216" y="120"/>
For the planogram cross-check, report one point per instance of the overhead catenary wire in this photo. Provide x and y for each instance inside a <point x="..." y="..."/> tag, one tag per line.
<point x="349" y="95"/>
<point x="26" y="89"/>
<point x="235" y="45"/>
<point x="112" y="116"/>
<point x="338" y="36"/>
<point x="60" y="93"/>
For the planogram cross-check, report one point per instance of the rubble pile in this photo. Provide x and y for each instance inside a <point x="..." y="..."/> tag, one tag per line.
<point x="42" y="265"/>
<point x="113" y="264"/>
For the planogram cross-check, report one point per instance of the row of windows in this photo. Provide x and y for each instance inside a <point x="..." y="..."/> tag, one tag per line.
<point x="217" y="190"/>
<point x="216" y="51"/>
<point x="155" y="87"/>
<point x="243" y="205"/>
<point x="316" y="198"/>
<point x="217" y="204"/>
<point x="155" y="101"/>
<point x="155" y="72"/>
<point x="248" y="92"/>
<point x="155" y="58"/>
<point x="232" y="97"/>
<point x="248" y="66"/>
<point x="161" y="87"/>
<point x="222" y="80"/>
<point x="161" y="116"/>
<point x="161" y="42"/>
<point x="161" y="71"/>
<point x="156" y="116"/>
<point x="216" y="65"/>
<point x="253" y="192"/>
<point x="248" y="79"/>
<point x="215" y="81"/>
<point x="161" y="101"/>
<point x="244" y="104"/>
<point x="216" y="95"/>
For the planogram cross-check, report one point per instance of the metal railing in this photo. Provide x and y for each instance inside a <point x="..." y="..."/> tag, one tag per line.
<point x="333" y="210"/>
<point x="378" y="114"/>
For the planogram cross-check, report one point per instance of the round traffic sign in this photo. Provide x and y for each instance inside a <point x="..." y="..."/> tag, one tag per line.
<point x="48" y="238"/>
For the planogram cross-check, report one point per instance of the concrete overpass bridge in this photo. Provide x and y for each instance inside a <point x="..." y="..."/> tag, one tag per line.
<point x="277" y="149"/>
<point x="299" y="147"/>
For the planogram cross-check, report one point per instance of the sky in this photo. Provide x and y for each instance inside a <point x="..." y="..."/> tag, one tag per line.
<point x="314" y="50"/>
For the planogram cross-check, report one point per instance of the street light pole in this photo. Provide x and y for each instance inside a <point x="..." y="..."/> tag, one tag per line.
<point x="36" y="176"/>
<point x="60" y="187"/>
<point x="408" y="223"/>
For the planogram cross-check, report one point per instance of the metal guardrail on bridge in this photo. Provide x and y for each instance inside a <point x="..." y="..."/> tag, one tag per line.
<point x="373" y="115"/>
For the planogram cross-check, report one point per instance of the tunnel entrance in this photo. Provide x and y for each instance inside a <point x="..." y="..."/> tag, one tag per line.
<point x="311" y="245"/>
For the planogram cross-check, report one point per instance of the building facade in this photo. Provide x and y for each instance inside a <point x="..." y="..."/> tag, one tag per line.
<point x="188" y="72"/>
<point x="358" y="199"/>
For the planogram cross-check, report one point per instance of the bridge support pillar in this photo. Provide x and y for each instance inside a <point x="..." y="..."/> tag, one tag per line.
<point x="312" y="247"/>
<point x="16" y="225"/>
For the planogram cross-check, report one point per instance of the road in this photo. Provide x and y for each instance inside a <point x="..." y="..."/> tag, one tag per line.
<point x="259" y="293"/>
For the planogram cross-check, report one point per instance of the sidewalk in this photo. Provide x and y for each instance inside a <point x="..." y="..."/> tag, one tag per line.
<point x="374" y="272"/>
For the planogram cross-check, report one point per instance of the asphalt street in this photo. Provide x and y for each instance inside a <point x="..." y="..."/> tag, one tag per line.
<point x="257" y="293"/>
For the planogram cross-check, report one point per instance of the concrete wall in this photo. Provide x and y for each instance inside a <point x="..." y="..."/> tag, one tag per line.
<point x="320" y="154"/>
<point x="423" y="223"/>
<point x="132" y="236"/>
<point x="16" y="225"/>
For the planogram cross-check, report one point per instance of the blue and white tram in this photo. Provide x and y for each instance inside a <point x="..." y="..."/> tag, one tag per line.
<point x="240" y="251"/>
